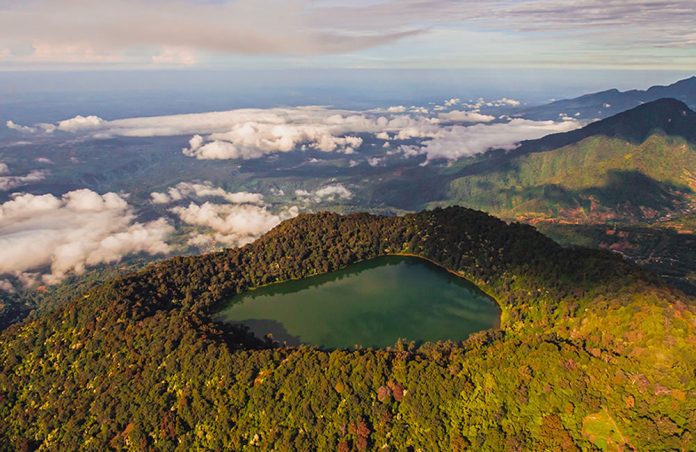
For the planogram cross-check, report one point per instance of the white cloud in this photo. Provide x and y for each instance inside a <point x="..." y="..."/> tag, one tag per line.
<point x="253" y="140"/>
<point x="69" y="233"/>
<point x="418" y="110"/>
<point x="407" y="151"/>
<point x="331" y="192"/>
<point x="230" y="224"/>
<point x="241" y="220"/>
<point x="185" y="190"/>
<point x="465" y="116"/>
<point x="20" y="128"/>
<point x="375" y="161"/>
<point x="505" y="102"/>
<point x="249" y="133"/>
<point x="80" y="123"/>
<point x="459" y="141"/>
<point x="452" y="102"/>
<point x="253" y="133"/>
<point x="8" y="182"/>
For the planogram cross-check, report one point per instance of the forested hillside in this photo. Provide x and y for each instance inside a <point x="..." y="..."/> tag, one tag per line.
<point x="597" y="180"/>
<point x="639" y="165"/>
<point x="592" y="353"/>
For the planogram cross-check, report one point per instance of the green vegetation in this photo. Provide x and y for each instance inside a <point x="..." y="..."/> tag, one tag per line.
<point x="598" y="179"/>
<point x="592" y="352"/>
<point x="34" y="301"/>
<point x="664" y="251"/>
<point x="636" y="166"/>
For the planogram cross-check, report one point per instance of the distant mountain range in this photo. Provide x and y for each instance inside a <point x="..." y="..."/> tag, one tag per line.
<point x="639" y="165"/>
<point x="606" y="103"/>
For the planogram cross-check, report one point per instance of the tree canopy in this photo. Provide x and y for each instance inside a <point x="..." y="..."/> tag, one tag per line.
<point x="592" y="352"/>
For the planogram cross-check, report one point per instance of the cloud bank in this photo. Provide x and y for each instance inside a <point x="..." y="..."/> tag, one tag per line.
<point x="444" y="133"/>
<point x="246" y="133"/>
<point x="459" y="141"/>
<point x="187" y="190"/>
<point x="69" y="233"/>
<point x="465" y="116"/>
<point x="242" y="219"/>
<point x="230" y="224"/>
<point x="331" y="192"/>
<point x="9" y="182"/>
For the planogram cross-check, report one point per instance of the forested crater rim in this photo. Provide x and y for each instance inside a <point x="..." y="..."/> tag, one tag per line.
<point x="531" y="278"/>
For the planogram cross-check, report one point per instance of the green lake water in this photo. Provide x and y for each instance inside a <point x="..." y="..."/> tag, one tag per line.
<point x="371" y="303"/>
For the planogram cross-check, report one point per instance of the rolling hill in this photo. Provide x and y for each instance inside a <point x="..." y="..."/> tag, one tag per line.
<point x="592" y="352"/>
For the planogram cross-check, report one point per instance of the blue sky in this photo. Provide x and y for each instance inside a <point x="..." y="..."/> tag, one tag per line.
<point x="374" y="34"/>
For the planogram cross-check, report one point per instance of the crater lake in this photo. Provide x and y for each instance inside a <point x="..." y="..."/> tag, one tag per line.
<point x="371" y="303"/>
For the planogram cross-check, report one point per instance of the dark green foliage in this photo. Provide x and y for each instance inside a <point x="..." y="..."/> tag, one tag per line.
<point x="591" y="352"/>
<point x="669" y="116"/>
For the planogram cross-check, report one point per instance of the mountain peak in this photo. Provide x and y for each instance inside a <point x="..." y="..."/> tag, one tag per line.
<point x="657" y="114"/>
<point x="669" y="116"/>
<point x="665" y="102"/>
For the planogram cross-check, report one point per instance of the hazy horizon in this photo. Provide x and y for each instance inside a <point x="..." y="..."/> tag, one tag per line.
<point x="47" y="96"/>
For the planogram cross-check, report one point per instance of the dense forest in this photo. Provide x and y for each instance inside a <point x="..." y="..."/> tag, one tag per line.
<point x="592" y="352"/>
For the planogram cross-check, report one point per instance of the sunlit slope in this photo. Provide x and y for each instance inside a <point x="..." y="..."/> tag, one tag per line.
<point x="614" y="172"/>
<point x="599" y="177"/>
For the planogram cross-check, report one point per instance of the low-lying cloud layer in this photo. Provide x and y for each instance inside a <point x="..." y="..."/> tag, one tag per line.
<point x="186" y="190"/>
<point x="465" y="116"/>
<point x="242" y="219"/>
<point x="45" y="237"/>
<point x="8" y="181"/>
<point x="450" y="131"/>
<point x="458" y="141"/>
<point x="331" y="193"/>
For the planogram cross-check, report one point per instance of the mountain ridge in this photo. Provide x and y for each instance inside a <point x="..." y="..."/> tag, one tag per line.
<point x="671" y="116"/>
<point x="605" y="103"/>
<point x="636" y="166"/>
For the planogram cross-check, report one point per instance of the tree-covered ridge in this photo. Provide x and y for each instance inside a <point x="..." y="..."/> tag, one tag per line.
<point x="591" y="352"/>
<point x="638" y="165"/>
<point x="599" y="179"/>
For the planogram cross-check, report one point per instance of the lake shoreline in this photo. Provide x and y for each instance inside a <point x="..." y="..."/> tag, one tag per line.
<point x="382" y="299"/>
